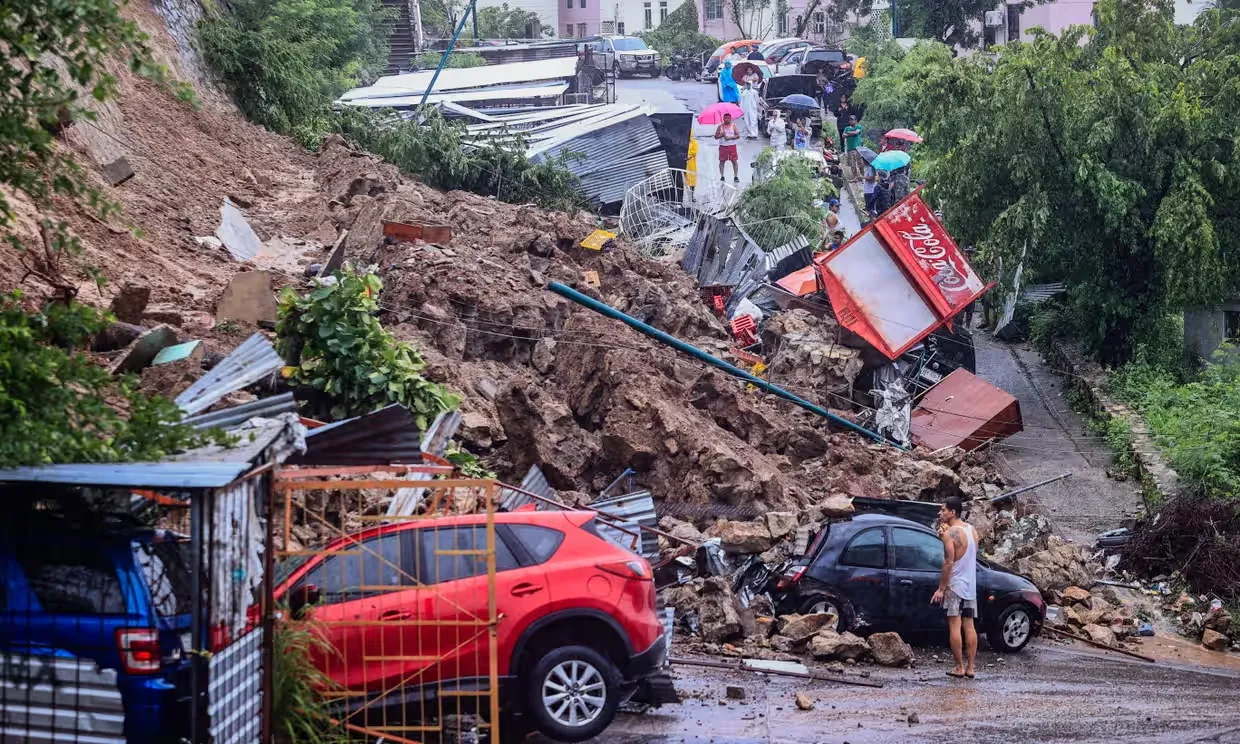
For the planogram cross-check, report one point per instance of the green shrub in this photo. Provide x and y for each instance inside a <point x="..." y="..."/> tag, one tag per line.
<point x="430" y="60"/>
<point x="297" y="709"/>
<point x="286" y="60"/>
<point x="336" y="345"/>
<point x="777" y="210"/>
<point x="56" y="405"/>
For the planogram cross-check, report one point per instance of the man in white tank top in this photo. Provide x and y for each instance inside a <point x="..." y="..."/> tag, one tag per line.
<point x="958" y="585"/>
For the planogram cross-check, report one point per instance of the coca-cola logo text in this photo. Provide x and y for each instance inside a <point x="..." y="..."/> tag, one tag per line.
<point x="933" y="253"/>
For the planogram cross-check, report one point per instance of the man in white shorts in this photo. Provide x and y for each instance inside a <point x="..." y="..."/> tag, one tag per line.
<point x="958" y="586"/>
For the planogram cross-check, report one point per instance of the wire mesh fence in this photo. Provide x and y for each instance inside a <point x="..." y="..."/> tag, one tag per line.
<point x="660" y="214"/>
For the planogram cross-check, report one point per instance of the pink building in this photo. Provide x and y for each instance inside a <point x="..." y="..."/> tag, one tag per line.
<point x="581" y="18"/>
<point x="716" y="20"/>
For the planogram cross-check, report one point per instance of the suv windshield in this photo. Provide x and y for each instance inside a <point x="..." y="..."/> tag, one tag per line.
<point x="825" y="55"/>
<point x="629" y="45"/>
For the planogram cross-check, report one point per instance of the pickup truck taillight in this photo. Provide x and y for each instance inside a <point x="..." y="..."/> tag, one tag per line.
<point x="790" y="577"/>
<point x="139" y="650"/>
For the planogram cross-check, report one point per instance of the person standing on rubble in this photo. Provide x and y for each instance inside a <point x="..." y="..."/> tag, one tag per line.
<point x="957" y="590"/>
<point x="726" y="135"/>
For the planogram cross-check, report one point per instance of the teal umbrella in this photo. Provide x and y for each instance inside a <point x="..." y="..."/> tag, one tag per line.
<point x="891" y="160"/>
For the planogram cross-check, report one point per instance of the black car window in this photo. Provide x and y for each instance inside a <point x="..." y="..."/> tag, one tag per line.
<point x="540" y="542"/>
<point x="447" y="553"/>
<point x="360" y="570"/>
<point x="917" y="550"/>
<point x="868" y="549"/>
<point x="71" y="579"/>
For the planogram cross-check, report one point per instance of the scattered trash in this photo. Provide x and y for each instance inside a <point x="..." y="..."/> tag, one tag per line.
<point x="735" y="693"/>
<point x="412" y="232"/>
<point x="1145" y="629"/>
<point x="591" y="278"/>
<point x="235" y="233"/>
<point x="179" y="352"/>
<point x="596" y="240"/>
<point x="804" y="702"/>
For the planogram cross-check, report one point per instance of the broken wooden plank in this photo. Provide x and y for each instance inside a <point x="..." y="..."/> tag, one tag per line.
<point x="1108" y="647"/>
<point x="411" y="231"/>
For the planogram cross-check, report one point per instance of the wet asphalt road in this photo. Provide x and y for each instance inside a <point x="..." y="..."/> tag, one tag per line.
<point x="1048" y="693"/>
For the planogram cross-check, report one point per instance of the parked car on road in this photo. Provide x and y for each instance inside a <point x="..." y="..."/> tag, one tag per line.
<point x="625" y="55"/>
<point x="578" y="632"/>
<point x="775" y="50"/>
<point x="879" y="572"/>
<point x="116" y="597"/>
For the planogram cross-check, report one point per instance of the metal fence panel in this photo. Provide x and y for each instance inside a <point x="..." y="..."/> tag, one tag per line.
<point x="59" y="699"/>
<point x="236" y="691"/>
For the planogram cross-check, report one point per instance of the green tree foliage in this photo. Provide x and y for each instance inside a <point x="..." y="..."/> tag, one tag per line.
<point x="1106" y="158"/>
<point x="780" y="208"/>
<point x="335" y="345"/>
<point x="433" y="151"/>
<point x="286" y="60"/>
<point x="430" y="60"/>
<point x="952" y="22"/>
<point x="679" y="31"/>
<point x="895" y="86"/>
<point x="1197" y="423"/>
<point x="56" y="405"/>
<point x="510" y="23"/>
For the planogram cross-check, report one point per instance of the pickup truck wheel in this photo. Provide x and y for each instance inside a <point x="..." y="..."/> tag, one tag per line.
<point x="573" y="693"/>
<point x="846" y="618"/>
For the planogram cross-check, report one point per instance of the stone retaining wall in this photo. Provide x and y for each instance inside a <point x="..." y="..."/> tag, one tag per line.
<point x="1089" y="378"/>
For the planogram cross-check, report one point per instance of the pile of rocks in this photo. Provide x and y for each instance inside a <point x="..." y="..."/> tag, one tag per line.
<point x="1211" y="624"/>
<point x="1101" y="616"/>
<point x="1025" y="544"/>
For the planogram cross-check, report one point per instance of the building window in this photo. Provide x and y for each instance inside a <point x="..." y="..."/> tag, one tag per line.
<point x="583" y="3"/>
<point x="714" y="10"/>
<point x="581" y="30"/>
<point x="1231" y="325"/>
<point x="569" y="4"/>
<point x="783" y="25"/>
<point x="609" y="27"/>
<point x="820" y="23"/>
<point x="620" y="27"/>
<point x="662" y="10"/>
<point x="1013" y="22"/>
<point x="568" y="30"/>
<point x="646" y="10"/>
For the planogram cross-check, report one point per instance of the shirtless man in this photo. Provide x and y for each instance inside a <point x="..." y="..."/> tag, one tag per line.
<point x="958" y="585"/>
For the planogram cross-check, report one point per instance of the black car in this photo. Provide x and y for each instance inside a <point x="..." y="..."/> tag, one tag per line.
<point x="879" y="572"/>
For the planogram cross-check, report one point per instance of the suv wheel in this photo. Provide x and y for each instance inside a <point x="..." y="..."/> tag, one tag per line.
<point x="1012" y="630"/>
<point x="573" y="693"/>
<point x="824" y="602"/>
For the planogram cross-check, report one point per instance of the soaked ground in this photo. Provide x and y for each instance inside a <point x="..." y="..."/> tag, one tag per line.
<point x="1048" y="693"/>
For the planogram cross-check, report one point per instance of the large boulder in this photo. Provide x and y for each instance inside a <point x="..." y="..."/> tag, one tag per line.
<point x="742" y="537"/>
<point x="720" y="616"/>
<point x="1056" y="568"/>
<point x="683" y="530"/>
<point x="889" y="649"/>
<point x="829" y="644"/>
<point x="1076" y="594"/>
<point x="1100" y="634"/>
<point x="1214" y="640"/>
<point x="779" y="524"/>
<point x="800" y="628"/>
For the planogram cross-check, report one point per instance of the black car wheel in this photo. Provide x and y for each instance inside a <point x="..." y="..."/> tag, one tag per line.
<point x="673" y="73"/>
<point x="573" y="693"/>
<point x="846" y="618"/>
<point x="1012" y="630"/>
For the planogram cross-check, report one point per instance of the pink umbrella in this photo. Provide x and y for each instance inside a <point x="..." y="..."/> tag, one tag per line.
<point x="903" y="134"/>
<point x="713" y="114"/>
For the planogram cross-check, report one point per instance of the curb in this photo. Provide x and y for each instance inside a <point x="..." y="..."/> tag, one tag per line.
<point x="1088" y="378"/>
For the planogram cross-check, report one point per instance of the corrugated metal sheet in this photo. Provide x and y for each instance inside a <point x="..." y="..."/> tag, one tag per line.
<point x="964" y="411"/>
<point x="59" y="699"/>
<point x="169" y="475"/>
<point x="385" y="437"/>
<point x="476" y="95"/>
<point x="535" y="481"/>
<point x="1043" y="292"/>
<point x="607" y="186"/>
<point x="631" y="511"/>
<point x="452" y="79"/>
<point x="509" y="53"/>
<point x="436" y="440"/>
<point x="235" y="691"/>
<point x="230" y="417"/>
<point x="250" y="362"/>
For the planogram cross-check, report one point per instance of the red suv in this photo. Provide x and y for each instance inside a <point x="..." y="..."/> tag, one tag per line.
<point x="401" y="605"/>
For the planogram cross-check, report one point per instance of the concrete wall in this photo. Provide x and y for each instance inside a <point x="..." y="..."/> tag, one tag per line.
<point x="1206" y="328"/>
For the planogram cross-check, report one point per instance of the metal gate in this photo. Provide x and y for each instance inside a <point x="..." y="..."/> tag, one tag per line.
<point x="392" y="619"/>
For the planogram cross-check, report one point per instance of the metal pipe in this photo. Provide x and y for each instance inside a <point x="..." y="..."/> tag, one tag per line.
<point x="778" y="672"/>
<point x="1099" y="644"/>
<point x="444" y="59"/>
<point x="1010" y="494"/>
<point x="675" y="343"/>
